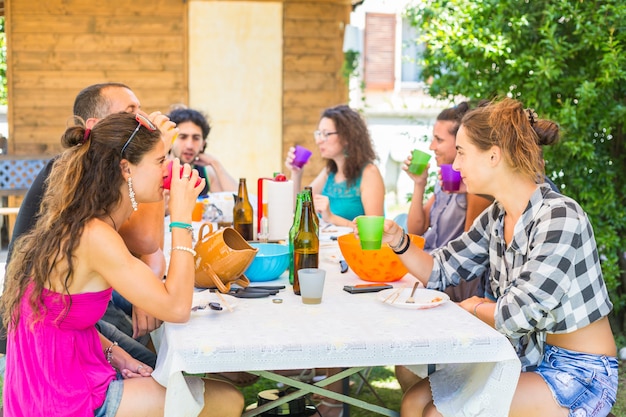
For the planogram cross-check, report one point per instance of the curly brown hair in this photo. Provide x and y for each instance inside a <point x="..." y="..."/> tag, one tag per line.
<point x="355" y="139"/>
<point x="84" y="183"/>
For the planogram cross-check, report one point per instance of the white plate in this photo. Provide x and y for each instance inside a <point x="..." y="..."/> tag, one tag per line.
<point x="326" y="232"/>
<point x="424" y="298"/>
<point x="203" y="297"/>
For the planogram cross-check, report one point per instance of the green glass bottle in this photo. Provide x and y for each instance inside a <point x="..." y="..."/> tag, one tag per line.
<point x="306" y="244"/>
<point x="294" y="229"/>
<point x="316" y="218"/>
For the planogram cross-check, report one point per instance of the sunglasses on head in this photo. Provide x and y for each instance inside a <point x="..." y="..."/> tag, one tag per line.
<point x="142" y="121"/>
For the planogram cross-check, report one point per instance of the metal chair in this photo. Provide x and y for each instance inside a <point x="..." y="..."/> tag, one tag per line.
<point x="364" y="376"/>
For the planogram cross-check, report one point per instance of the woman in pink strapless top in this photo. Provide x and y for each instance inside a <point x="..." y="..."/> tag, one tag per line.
<point x="62" y="274"/>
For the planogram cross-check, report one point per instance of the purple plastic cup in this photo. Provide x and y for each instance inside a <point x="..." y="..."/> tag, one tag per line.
<point x="450" y="178"/>
<point x="301" y="157"/>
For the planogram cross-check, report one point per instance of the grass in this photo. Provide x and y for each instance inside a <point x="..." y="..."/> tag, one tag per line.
<point x="386" y="385"/>
<point x="384" y="381"/>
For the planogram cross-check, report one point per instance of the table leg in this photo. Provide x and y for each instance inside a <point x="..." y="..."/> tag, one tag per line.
<point x="317" y="388"/>
<point x="346" y="391"/>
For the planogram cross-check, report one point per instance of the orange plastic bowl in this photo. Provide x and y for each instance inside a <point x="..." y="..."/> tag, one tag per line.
<point x="381" y="265"/>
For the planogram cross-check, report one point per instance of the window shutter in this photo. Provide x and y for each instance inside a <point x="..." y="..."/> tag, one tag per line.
<point x="380" y="50"/>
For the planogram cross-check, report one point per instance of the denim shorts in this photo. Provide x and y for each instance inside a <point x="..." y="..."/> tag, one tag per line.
<point x="112" y="400"/>
<point x="583" y="383"/>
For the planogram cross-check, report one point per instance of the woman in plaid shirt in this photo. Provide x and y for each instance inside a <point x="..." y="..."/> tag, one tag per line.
<point x="551" y="300"/>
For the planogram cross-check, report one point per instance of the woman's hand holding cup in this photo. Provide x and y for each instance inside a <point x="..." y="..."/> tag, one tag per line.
<point x="419" y="179"/>
<point x="291" y="155"/>
<point x="184" y="191"/>
<point x="392" y="233"/>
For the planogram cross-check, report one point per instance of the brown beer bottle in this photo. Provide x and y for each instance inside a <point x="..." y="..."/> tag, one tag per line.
<point x="306" y="244"/>
<point x="242" y="212"/>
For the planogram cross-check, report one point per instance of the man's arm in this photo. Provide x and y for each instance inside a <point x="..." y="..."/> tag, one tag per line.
<point x="143" y="323"/>
<point x="143" y="232"/>
<point x="220" y="179"/>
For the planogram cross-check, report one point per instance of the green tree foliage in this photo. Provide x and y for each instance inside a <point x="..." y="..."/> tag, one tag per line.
<point x="565" y="59"/>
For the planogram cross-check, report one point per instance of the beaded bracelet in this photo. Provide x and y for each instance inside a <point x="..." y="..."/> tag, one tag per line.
<point x="397" y="247"/>
<point x="406" y="246"/>
<point x="184" y="249"/>
<point x="108" y="352"/>
<point x="181" y="225"/>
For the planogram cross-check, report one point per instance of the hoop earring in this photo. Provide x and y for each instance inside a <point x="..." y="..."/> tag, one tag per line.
<point x="131" y="194"/>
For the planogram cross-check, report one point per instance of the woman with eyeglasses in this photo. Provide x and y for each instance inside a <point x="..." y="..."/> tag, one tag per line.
<point x="350" y="185"/>
<point x="63" y="271"/>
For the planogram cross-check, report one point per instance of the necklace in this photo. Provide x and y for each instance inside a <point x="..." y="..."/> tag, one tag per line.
<point x="114" y="225"/>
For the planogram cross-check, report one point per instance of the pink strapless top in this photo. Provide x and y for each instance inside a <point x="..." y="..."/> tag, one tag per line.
<point x="57" y="367"/>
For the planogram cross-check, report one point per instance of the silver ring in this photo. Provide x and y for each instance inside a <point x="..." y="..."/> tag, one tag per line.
<point x="186" y="177"/>
<point x="139" y="368"/>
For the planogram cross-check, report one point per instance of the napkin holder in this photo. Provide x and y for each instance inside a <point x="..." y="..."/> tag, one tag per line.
<point x="276" y="204"/>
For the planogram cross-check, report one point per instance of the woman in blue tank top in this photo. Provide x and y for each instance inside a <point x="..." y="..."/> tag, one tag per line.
<point x="350" y="184"/>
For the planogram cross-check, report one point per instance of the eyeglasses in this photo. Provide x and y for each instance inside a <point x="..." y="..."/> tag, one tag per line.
<point x="322" y="135"/>
<point x="143" y="121"/>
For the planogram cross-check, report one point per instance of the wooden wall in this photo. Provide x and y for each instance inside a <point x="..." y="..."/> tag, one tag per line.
<point x="312" y="80"/>
<point x="57" y="47"/>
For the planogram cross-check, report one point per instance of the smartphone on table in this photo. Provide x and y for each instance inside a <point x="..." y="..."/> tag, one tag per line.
<point x="363" y="288"/>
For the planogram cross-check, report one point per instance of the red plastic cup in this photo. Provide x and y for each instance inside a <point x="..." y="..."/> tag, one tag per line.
<point x="167" y="181"/>
<point x="450" y="178"/>
<point x="301" y="157"/>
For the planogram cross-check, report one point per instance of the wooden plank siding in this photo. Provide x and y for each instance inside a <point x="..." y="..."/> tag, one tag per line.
<point x="313" y="55"/>
<point x="57" y="47"/>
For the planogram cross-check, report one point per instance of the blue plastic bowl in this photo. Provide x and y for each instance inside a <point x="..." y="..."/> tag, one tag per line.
<point x="269" y="263"/>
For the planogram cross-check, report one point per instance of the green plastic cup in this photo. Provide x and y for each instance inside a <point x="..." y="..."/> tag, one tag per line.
<point x="418" y="162"/>
<point x="370" y="231"/>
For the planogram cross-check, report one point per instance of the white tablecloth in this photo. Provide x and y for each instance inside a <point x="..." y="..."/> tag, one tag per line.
<point x="477" y="369"/>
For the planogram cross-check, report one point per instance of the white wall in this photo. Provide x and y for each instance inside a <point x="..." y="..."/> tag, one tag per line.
<point x="243" y="94"/>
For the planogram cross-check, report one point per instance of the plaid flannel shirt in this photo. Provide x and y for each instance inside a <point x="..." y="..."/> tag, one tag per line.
<point x="548" y="280"/>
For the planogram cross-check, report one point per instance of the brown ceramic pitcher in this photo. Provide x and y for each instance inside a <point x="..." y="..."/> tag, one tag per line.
<point x="221" y="258"/>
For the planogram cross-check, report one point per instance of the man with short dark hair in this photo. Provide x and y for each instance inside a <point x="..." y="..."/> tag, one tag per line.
<point x="189" y="147"/>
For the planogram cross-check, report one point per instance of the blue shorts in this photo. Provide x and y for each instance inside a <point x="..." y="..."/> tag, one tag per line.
<point x="583" y="383"/>
<point x="112" y="400"/>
